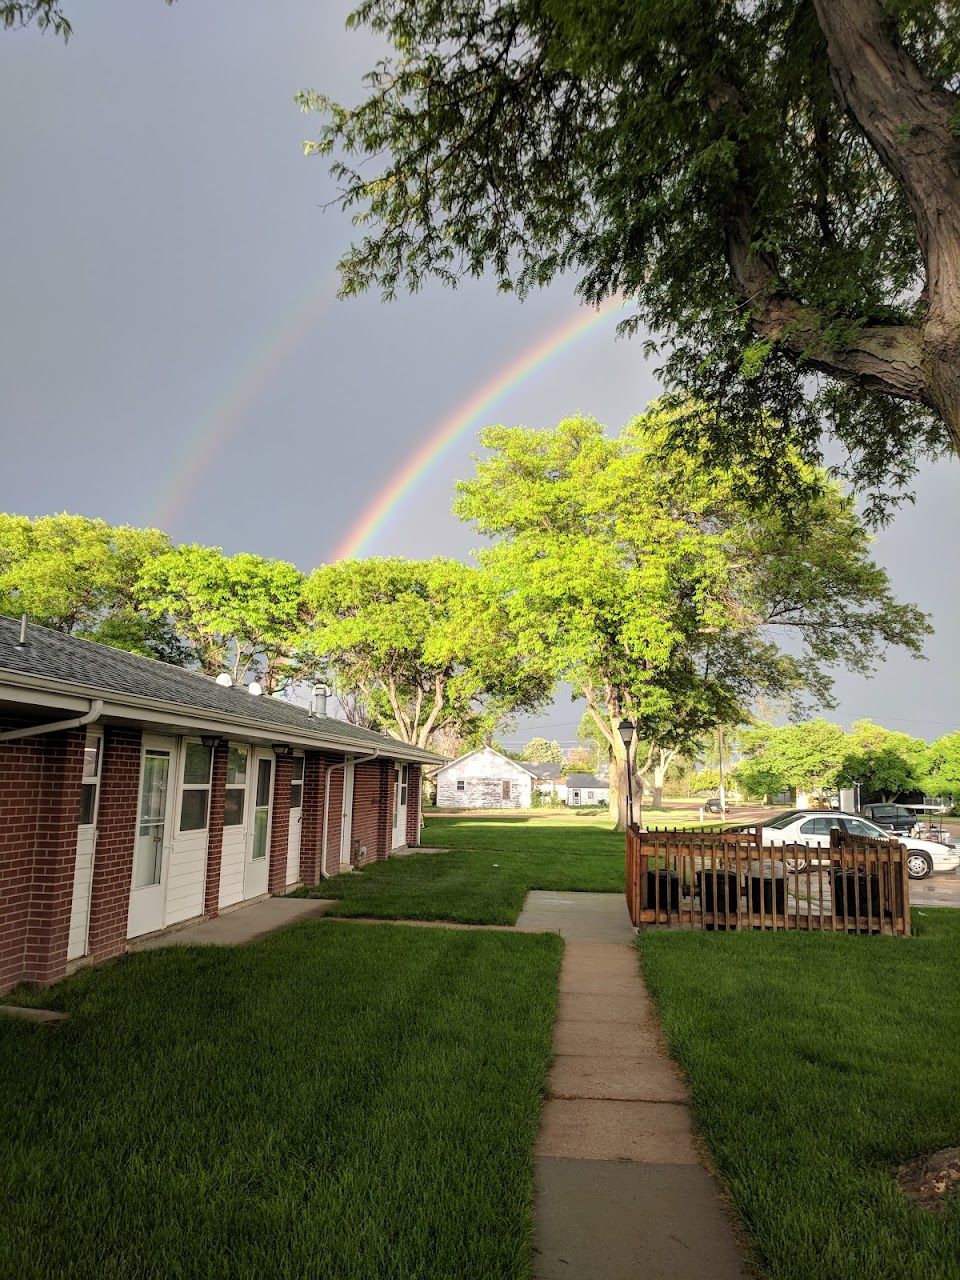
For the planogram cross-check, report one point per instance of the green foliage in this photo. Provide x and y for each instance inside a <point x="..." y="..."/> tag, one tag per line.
<point x="540" y="751"/>
<point x="636" y="573"/>
<point x="427" y="644"/>
<point x="806" y="756"/>
<point x="693" y="157"/>
<point x="885" y="763"/>
<point x="243" y="614"/>
<point x="45" y="13"/>
<point x="79" y="576"/>
<point x="942" y="774"/>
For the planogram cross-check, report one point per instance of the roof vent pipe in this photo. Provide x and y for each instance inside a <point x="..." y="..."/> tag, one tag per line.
<point x="320" y="694"/>
<point x="22" y="642"/>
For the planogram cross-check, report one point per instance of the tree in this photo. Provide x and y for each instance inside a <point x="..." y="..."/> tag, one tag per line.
<point x="637" y="575"/>
<point x="884" y="762"/>
<point x="241" y="614"/>
<point x="775" y="186"/>
<point x="540" y="751"/>
<point x="425" y="644"/>
<point x="79" y="576"/>
<point x="942" y="776"/>
<point x="806" y="756"/>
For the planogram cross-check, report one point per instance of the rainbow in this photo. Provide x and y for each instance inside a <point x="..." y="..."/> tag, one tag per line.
<point x="218" y="421"/>
<point x="419" y="463"/>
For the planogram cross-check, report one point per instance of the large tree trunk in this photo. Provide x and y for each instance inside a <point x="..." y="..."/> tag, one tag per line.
<point x="907" y="120"/>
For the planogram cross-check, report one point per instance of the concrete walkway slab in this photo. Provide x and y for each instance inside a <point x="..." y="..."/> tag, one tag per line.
<point x="601" y="1129"/>
<point x="636" y="1079"/>
<point x="591" y="917"/>
<point x="622" y="1191"/>
<point x="614" y="1220"/>
<point x="244" y="924"/>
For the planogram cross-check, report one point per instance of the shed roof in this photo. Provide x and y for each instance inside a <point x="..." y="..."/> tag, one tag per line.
<point x="54" y="661"/>
<point x="586" y="781"/>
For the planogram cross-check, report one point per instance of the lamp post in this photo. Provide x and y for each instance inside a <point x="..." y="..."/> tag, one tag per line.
<point x="627" y="729"/>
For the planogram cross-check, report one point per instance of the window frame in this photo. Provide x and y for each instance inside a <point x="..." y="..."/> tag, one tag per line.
<point x="186" y="786"/>
<point x="237" y="786"/>
<point x="92" y="736"/>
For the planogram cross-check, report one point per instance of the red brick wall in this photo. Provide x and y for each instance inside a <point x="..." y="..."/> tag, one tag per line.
<point x="218" y="795"/>
<point x="335" y="823"/>
<point x="39" y="808"/>
<point x="414" y="790"/>
<point x="280" y="825"/>
<point x="365" y="826"/>
<point x="116" y="838"/>
<point x="388" y="780"/>
<point x="311" y="827"/>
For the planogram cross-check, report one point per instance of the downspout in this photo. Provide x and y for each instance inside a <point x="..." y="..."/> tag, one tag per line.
<point x="324" y="874"/>
<point x="35" y="730"/>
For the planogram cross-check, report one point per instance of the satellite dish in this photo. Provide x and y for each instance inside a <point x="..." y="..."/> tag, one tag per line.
<point x="254" y="688"/>
<point x="225" y="679"/>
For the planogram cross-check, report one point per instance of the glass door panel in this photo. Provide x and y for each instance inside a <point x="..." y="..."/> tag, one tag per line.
<point x="148" y="857"/>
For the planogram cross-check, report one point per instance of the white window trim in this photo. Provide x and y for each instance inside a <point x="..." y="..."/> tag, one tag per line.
<point x="96" y="781"/>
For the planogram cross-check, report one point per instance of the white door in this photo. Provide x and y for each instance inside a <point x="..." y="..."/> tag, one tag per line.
<point x="296" y="817"/>
<point x="236" y="804"/>
<point x="86" y="845"/>
<point x="400" y="783"/>
<point x="187" y="873"/>
<point x="346" y="815"/>
<point x="154" y="836"/>
<point x="256" y="869"/>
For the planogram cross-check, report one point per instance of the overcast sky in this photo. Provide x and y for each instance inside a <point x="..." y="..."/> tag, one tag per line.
<point x="171" y="350"/>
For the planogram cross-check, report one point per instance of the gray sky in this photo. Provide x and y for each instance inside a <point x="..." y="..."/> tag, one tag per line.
<point x="171" y="350"/>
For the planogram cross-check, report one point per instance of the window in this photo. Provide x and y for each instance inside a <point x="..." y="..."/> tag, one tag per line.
<point x="235" y="796"/>
<point x="195" y="801"/>
<point x="857" y="827"/>
<point x="90" y="786"/>
<point x="261" y="813"/>
<point x="461" y="785"/>
<point x="296" y="783"/>
<point x="819" y="826"/>
<point x="784" y="820"/>
<point x="506" y="790"/>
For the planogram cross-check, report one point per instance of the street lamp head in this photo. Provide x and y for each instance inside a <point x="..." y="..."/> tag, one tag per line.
<point x="626" y="728"/>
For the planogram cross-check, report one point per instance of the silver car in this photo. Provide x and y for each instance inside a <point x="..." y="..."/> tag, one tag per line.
<point x="812" y="827"/>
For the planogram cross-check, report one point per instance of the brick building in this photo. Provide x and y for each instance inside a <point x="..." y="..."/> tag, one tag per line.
<point x="135" y="796"/>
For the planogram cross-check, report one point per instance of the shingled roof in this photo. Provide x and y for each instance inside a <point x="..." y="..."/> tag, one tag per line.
<point x="91" y="670"/>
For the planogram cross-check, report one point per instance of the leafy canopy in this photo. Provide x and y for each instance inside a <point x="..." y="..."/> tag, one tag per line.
<point x="426" y="644"/>
<point x="79" y="575"/>
<point x="789" y="228"/>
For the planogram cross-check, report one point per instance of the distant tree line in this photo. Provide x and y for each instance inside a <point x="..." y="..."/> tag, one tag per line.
<point x="636" y="574"/>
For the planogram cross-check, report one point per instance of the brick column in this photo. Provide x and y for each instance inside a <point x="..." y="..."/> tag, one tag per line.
<point x="414" y="795"/>
<point x="55" y="857"/>
<point x="280" y="825"/>
<point x="311" y="826"/>
<point x="116" y="839"/>
<point x="387" y="784"/>
<point x="218" y="795"/>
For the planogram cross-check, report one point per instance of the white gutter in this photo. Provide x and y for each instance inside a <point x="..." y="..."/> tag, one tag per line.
<point x="36" y="730"/>
<point x="351" y="759"/>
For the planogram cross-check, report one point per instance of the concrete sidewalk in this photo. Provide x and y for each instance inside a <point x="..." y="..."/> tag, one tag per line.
<point x="242" y="924"/>
<point x="621" y="1189"/>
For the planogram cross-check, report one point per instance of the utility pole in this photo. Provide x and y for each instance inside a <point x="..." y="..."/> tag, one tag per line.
<point x="723" y="789"/>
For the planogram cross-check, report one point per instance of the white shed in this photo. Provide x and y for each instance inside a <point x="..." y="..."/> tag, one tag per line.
<point x="484" y="779"/>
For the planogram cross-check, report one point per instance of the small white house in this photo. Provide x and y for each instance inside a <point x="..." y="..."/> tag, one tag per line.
<point x="484" y="779"/>
<point x="586" y="789"/>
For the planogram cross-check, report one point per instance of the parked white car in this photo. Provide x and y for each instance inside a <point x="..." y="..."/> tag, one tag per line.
<point x="812" y="827"/>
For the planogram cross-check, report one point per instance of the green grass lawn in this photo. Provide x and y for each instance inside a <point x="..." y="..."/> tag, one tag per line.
<point x="817" y="1065"/>
<point x="491" y="865"/>
<point x="330" y="1102"/>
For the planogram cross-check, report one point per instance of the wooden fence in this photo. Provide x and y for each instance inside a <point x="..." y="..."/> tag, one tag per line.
<point x="729" y="880"/>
